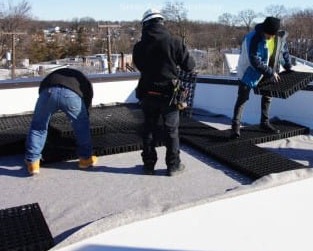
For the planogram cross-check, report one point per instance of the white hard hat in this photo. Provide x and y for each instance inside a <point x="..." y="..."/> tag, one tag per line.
<point x="150" y="14"/>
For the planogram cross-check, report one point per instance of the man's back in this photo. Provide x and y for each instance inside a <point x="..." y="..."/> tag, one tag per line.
<point x="159" y="53"/>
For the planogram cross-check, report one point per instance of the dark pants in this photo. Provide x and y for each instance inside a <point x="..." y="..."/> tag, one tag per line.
<point x="155" y="108"/>
<point x="243" y="96"/>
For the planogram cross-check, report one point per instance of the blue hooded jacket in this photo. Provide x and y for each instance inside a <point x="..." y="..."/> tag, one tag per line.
<point x="254" y="59"/>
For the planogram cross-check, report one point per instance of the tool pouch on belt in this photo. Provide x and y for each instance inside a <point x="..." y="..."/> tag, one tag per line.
<point x="180" y="95"/>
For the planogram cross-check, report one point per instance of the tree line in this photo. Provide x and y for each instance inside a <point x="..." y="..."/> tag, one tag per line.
<point x="38" y="41"/>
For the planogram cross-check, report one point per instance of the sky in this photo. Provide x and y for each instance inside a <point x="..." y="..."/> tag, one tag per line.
<point x="130" y="10"/>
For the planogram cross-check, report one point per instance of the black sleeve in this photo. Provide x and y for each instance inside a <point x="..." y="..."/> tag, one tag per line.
<point x="87" y="90"/>
<point x="184" y="59"/>
<point x="138" y="56"/>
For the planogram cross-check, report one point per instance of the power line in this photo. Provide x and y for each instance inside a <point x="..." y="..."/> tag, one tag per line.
<point x="13" y="34"/>
<point x="108" y="27"/>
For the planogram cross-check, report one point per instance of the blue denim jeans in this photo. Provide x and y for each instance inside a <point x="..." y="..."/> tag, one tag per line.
<point x="50" y="101"/>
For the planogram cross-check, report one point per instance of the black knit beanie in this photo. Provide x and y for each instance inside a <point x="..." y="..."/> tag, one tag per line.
<point x="271" y="25"/>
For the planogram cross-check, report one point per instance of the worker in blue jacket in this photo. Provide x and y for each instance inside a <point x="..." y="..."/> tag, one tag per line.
<point x="263" y="51"/>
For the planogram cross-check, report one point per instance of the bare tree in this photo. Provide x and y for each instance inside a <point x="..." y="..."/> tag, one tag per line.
<point x="246" y="18"/>
<point x="230" y="30"/>
<point x="300" y="28"/>
<point x="177" y="13"/>
<point x="278" y="11"/>
<point x="14" y="19"/>
<point x="227" y="19"/>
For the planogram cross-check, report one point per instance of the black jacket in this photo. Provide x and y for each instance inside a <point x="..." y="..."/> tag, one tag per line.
<point x="71" y="79"/>
<point x="157" y="57"/>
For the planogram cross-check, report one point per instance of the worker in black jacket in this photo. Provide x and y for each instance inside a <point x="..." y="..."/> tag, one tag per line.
<point x="157" y="56"/>
<point x="69" y="91"/>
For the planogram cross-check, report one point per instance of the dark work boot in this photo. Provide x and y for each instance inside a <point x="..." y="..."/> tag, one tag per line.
<point x="172" y="171"/>
<point x="148" y="170"/>
<point x="267" y="127"/>
<point x="148" y="167"/>
<point x="235" y="131"/>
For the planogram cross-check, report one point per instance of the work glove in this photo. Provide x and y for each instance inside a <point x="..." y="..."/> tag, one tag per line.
<point x="275" y="78"/>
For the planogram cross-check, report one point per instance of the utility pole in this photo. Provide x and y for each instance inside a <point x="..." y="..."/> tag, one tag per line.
<point x="13" y="34"/>
<point x="108" y="32"/>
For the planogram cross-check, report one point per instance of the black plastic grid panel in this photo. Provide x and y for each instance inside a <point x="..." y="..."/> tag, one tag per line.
<point x="196" y="134"/>
<point x="261" y="165"/>
<point x="289" y="84"/>
<point x="123" y="128"/>
<point x="188" y="81"/>
<point x="251" y="160"/>
<point x="13" y="131"/>
<point x="106" y="144"/>
<point x="253" y="134"/>
<point x="24" y="228"/>
<point x="103" y="119"/>
<point x="202" y="143"/>
<point x="60" y="126"/>
<point x="113" y="144"/>
<point x="234" y="151"/>
<point x="118" y="118"/>
<point x="191" y="127"/>
<point x="241" y="154"/>
<point x="15" y="121"/>
<point x="54" y="152"/>
<point x="12" y="140"/>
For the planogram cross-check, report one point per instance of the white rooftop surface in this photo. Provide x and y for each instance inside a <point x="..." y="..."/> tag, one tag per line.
<point x="232" y="62"/>
<point x="273" y="213"/>
<point x="267" y="219"/>
<point x="208" y="207"/>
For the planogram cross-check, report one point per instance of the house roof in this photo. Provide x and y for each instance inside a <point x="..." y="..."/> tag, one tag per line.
<point x="78" y="205"/>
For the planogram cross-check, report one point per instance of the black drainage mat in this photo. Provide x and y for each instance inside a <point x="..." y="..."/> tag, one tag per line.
<point x="187" y="81"/>
<point x="244" y="157"/>
<point x="253" y="134"/>
<point x="24" y="228"/>
<point x="289" y="84"/>
<point x="119" y="118"/>
<point x="60" y="126"/>
<point x="107" y="144"/>
<point x="12" y="141"/>
<point x="261" y="165"/>
<point x="13" y="131"/>
<point x="123" y="128"/>
<point x="59" y="149"/>
<point x="192" y="127"/>
<point x="103" y="119"/>
<point x="251" y="160"/>
<point x="123" y="134"/>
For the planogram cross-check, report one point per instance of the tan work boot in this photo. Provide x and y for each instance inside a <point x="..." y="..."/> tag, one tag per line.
<point x="33" y="167"/>
<point x="85" y="163"/>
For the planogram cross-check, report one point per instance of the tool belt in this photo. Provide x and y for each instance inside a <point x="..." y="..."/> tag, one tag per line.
<point x="158" y="94"/>
<point x="180" y="95"/>
<point x="154" y="93"/>
<point x="176" y="93"/>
